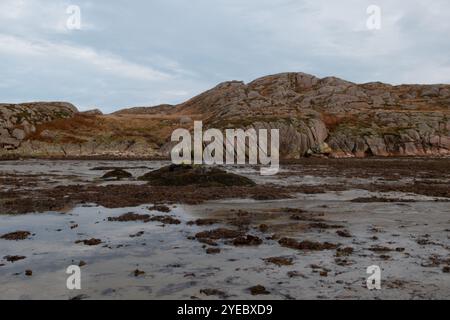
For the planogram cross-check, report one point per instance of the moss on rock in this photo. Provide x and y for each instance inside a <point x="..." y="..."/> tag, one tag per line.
<point x="203" y="176"/>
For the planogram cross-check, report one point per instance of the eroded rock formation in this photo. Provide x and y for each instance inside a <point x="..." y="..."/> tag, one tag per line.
<point x="17" y="121"/>
<point x="315" y="116"/>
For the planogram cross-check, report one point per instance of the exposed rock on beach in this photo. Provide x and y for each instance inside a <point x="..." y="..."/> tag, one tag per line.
<point x="188" y="175"/>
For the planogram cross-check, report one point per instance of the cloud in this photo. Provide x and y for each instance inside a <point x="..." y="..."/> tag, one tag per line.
<point x="159" y="51"/>
<point x="105" y="62"/>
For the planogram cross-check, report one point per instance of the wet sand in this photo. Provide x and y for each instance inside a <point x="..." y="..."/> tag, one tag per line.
<point x="368" y="217"/>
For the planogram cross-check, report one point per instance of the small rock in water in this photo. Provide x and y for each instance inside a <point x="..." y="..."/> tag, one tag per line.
<point x="343" y="233"/>
<point x="212" y="250"/>
<point x="213" y="292"/>
<point x="18" y="235"/>
<point x="80" y="297"/>
<point x="279" y="261"/>
<point x="139" y="234"/>
<point x="306" y="245"/>
<point x="160" y="208"/>
<point x="247" y="240"/>
<point x="127" y="217"/>
<point x="165" y="219"/>
<point x="117" y="174"/>
<point x="138" y="273"/>
<point x="258" y="290"/>
<point x="90" y="242"/>
<point x="14" y="258"/>
<point x="220" y="233"/>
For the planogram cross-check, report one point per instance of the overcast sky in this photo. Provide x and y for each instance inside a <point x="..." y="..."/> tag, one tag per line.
<point x="147" y="52"/>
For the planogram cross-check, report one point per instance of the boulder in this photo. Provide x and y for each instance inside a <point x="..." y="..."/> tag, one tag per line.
<point x="19" y="134"/>
<point x="189" y="175"/>
<point x="9" y="142"/>
<point x="117" y="174"/>
<point x="93" y="112"/>
<point x="20" y="120"/>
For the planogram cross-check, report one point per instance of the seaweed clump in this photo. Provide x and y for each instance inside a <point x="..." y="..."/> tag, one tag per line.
<point x="191" y="175"/>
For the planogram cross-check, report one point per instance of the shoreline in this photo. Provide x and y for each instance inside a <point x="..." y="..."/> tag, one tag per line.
<point x="64" y="183"/>
<point x="282" y="161"/>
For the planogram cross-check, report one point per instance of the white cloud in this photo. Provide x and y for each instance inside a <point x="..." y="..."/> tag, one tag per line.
<point x="28" y="17"/>
<point x="10" y="9"/>
<point x="105" y="62"/>
<point x="150" y="52"/>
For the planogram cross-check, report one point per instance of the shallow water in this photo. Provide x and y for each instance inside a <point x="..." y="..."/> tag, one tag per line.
<point x="178" y="268"/>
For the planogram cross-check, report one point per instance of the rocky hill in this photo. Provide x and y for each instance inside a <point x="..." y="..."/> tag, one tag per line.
<point x="161" y="109"/>
<point x="18" y="121"/>
<point x="327" y="116"/>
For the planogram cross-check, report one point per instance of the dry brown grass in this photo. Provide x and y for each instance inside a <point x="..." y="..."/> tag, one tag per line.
<point x="73" y="124"/>
<point x="81" y="128"/>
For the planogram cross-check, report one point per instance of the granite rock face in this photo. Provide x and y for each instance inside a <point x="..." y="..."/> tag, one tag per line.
<point x="17" y="121"/>
<point x="327" y="116"/>
<point x="334" y="116"/>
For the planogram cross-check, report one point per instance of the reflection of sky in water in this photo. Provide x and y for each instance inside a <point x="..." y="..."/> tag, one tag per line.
<point x="179" y="268"/>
